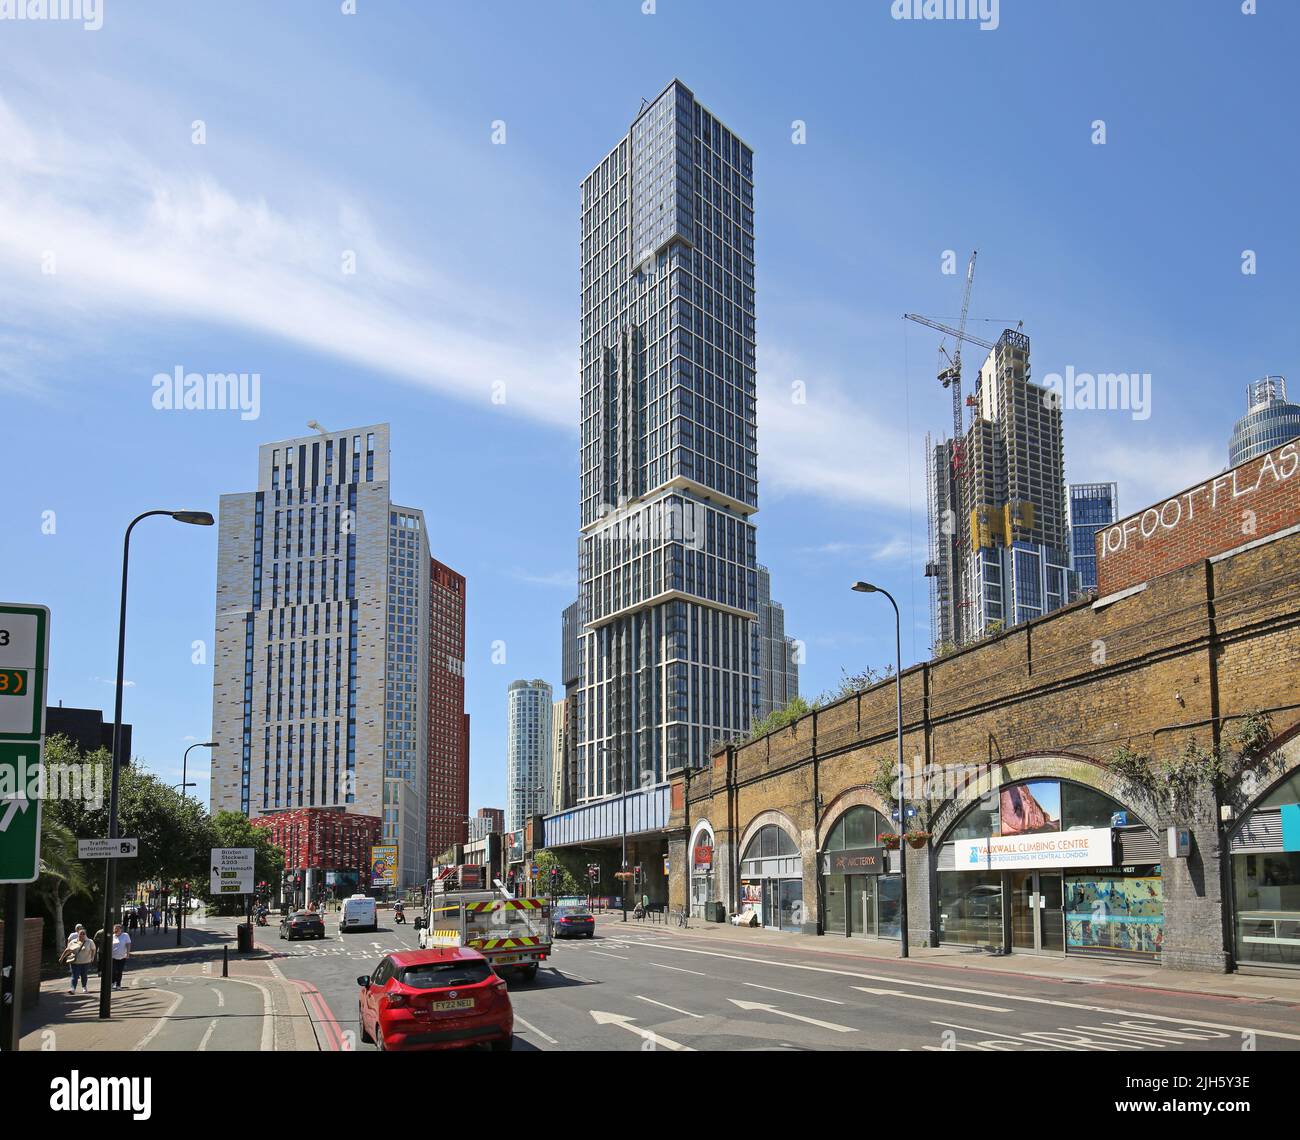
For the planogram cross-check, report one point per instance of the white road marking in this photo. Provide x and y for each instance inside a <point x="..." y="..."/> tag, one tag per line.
<point x="625" y="1022"/>
<point x="620" y="957"/>
<point x="533" y="1029"/>
<point x="161" y="1022"/>
<point x="221" y="998"/>
<point x="927" y="997"/>
<point x="679" y="970"/>
<point x="790" y="993"/>
<point x="995" y="1033"/>
<point x="665" y="1005"/>
<point x="996" y="994"/>
<point x="207" y="1036"/>
<point x="752" y="1005"/>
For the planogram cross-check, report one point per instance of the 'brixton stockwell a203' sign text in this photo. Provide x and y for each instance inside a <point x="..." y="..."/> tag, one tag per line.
<point x="1258" y="498"/>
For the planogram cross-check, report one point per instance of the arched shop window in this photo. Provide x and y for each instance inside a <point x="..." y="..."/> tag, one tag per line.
<point x="1101" y="894"/>
<point x="702" y="866"/>
<point x="859" y="904"/>
<point x="771" y="879"/>
<point x="1266" y="878"/>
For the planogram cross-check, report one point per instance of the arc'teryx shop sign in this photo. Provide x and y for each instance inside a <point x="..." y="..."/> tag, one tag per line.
<point x="855" y="861"/>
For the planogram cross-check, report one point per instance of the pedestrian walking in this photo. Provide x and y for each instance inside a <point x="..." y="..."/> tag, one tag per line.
<point x="157" y="920"/>
<point x="78" y="956"/>
<point x="121" y="952"/>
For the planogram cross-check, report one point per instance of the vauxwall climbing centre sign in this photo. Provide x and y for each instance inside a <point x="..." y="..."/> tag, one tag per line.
<point x="1239" y="506"/>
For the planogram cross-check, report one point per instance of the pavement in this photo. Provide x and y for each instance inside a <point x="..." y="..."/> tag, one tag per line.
<point x="174" y="999"/>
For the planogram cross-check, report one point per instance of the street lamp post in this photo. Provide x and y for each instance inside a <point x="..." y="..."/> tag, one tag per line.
<point x="194" y="518"/>
<point x="868" y="588"/>
<point x="180" y="919"/>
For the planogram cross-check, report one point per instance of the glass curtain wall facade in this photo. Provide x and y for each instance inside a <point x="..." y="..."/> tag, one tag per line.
<point x="528" y="748"/>
<point x="1092" y="506"/>
<point x="1268" y="423"/>
<point x="668" y="648"/>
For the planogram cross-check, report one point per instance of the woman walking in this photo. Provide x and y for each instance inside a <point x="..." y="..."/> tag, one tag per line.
<point x="79" y="954"/>
<point x="121" y="952"/>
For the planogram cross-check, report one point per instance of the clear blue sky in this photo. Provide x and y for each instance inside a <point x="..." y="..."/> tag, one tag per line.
<point x="373" y="133"/>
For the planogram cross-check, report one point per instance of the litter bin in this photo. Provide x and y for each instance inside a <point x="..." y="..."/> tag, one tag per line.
<point x="719" y="912"/>
<point x="244" y="938"/>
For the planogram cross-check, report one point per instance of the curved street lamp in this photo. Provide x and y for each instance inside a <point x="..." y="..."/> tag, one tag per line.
<point x="868" y="588"/>
<point x="193" y="518"/>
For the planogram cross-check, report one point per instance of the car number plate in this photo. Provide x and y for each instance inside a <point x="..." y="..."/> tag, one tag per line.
<point x="459" y="1003"/>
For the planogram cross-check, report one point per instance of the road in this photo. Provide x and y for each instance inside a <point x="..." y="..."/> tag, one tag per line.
<point x="638" y="988"/>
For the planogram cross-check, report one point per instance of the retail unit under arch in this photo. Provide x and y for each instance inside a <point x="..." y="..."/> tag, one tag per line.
<point x="771" y="878"/>
<point x="860" y="887"/>
<point x="1049" y="865"/>
<point x="1265" y="865"/>
<point x="703" y="871"/>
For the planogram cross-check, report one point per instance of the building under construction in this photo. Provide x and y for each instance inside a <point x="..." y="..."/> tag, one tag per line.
<point x="996" y="499"/>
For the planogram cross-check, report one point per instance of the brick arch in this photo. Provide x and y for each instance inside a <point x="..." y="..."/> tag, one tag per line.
<point x="860" y="796"/>
<point x="1281" y="759"/>
<point x="1074" y="767"/>
<point x="783" y="821"/>
<point x="701" y="825"/>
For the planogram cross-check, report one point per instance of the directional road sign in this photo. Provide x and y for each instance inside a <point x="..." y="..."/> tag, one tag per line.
<point x="232" y="871"/>
<point x="24" y="659"/>
<point x="20" y="816"/>
<point x="108" y="848"/>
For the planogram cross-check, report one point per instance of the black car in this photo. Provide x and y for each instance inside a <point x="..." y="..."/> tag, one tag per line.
<point x="302" y="924"/>
<point x="573" y="921"/>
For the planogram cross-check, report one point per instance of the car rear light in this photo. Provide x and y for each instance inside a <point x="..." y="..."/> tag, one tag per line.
<point x="396" y="1001"/>
<point x="500" y="986"/>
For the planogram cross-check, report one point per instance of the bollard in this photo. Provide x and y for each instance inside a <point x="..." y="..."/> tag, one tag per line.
<point x="225" y="961"/>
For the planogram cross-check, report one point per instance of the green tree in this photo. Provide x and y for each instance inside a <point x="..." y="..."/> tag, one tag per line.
<point x="63" y="875"/>
<point x="569" y="883"/>
<point x="779" y="718"/>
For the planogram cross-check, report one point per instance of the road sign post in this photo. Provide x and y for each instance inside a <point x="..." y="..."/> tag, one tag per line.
<point x="24" y="661"/>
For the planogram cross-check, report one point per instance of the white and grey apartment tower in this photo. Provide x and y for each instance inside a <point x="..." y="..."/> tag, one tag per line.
<point x="529" y="744"/>
<point x="778" y="655"/>
<point x="319" y="613"/>
<point x="669" y="654"/>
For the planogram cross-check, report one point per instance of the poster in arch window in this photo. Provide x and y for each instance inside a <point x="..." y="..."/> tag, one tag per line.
<point x="1119" y="910"/>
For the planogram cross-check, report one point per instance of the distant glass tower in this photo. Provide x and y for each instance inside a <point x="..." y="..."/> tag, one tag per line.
<point x="1268" y="423"/>
<point x="669" y="646"/>
<point x="1092" y="506"/>
<point x="528" y="751"/>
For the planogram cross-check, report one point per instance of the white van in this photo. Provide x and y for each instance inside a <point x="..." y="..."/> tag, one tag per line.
<point x="358" y="914"/>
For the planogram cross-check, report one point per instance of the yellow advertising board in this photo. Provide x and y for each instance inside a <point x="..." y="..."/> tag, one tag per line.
<point x="383" y="865"/>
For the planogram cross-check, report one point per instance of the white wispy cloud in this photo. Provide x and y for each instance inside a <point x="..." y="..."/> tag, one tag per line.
<point x="126" y="684"/>
<point x="560" y="579"/>
<point x="125" y="235"/>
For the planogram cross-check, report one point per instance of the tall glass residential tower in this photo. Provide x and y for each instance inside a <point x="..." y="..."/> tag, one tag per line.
<point x="668" y="653"/>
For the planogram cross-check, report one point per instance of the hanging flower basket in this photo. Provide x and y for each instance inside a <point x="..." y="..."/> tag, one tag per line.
<point x="889" y="841"/>
<point x="917" y="839"/>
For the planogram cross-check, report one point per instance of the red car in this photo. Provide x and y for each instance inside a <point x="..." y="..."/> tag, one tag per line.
<point x="435" y="999"/>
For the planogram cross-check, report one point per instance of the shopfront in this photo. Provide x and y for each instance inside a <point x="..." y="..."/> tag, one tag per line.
<point x="860" y="898"/>
<point x="1265" y="851"/>
<point x="703" y="879"/>
<point x="1050" y="866"/>
<point x="771" y="879"/>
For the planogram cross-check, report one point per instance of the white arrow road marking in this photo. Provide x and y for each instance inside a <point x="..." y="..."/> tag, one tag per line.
<point x="926" y="997"/>
<point x="1026" y="998"/>
<point x="625" y="1022"/>
<point x="665" y="1005"/>
<point x="793" y="1016"/>
<point x="790" y="993"/>
<point x="16" y="804"/>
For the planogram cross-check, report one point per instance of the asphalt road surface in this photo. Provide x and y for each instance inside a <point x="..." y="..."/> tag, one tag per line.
<point x="638" y="988"/>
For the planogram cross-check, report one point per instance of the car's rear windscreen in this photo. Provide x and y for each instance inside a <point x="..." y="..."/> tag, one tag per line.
<point x="440" y="975"/>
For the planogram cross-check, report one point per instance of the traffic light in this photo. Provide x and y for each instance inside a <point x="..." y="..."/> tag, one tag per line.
<point x="638" y="875"/>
